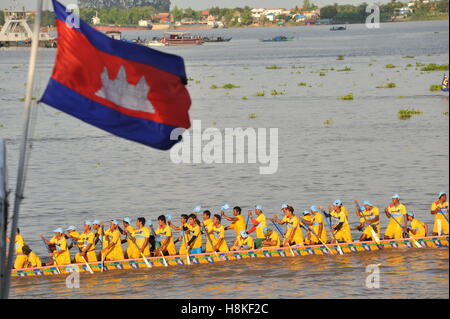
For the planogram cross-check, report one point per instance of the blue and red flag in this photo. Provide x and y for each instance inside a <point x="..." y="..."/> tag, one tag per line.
<point x="123" y="88"/>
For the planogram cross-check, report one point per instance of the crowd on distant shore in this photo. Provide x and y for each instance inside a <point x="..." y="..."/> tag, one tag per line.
<point x="146" y="240"/>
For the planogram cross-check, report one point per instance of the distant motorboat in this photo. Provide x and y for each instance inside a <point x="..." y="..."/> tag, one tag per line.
<point x="181" y="38"/>
<point x="279" y="38"/>
<point x="340" y="28"/>
<point x="216" y="39"/>
<point x="155" y="43"/>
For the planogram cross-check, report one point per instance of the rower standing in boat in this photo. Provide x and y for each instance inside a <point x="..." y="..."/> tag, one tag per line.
<point x="61" y="252"/>
<point x="164" y="233"/>
<point x="417" y="228"/>
<point x="142" y="237"/>
<point x="184" y="228"/>
<point x="293" y="234"/>
<point x="238" y="223"/>
<point x="112" y="243"/>
<point x="195" y="242"/>
<point x="21" y="257"/>
<point x="127" y="228"/>
<point x="243" y="242"/>
<point x="218" y="236"/>
<point x="370" y="214"/>
<point x="208" y="224"/>
<point x="259" y="223"/>
<point x="87" y="253"/>
<point x="318" y="227"/>
<point x="396" y="211"/>
<point x="440" y="209"/>
<point x="341" y="229"/>
<point x="272" y="239"/>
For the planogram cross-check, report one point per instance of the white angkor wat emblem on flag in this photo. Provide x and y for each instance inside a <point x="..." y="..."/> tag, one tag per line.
<point x="120" y="92"/>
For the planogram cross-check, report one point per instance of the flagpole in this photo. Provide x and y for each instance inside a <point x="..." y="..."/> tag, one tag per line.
<point x="20" y="183"/>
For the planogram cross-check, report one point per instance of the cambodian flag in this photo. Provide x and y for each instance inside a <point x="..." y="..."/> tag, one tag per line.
<point x="123" y="88"/>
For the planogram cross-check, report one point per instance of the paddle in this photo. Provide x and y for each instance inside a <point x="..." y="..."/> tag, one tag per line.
<point x="306" y="227"/>
<point x="154" y="234"/>
<point x="407" y="235"/>
<point x="186" y="246"/>
<point x="137" y="247"/>
<point x="246" y="224"/>
<point x="334" y="237"/>
<point x="284" y="237"/>
<point x="372" y="231"/>
<point x="101" y="253"/>
<point x="51" y="254"/>
<point x="210" y="242"/>
<point x="84" y="260"/>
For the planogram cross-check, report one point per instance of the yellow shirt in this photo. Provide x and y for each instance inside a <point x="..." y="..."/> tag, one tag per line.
<point x="218" y="233"/>
<point x="261" y="219"/>
<point x="247" y="243"/>
<point x="238" y="225"/>
<point x="443" y="210"/>
<point x="195" y="230"/>
<point x="317" y="220"/>
<point x="19" y="244"/>
<point x="344" y="233"/>
<point x="292" y="224"/>
<point x="79" y="243"/>
<point x="343" y="209"/>
<point x="88" y="238"/>
<point x="63" y="257"/>
<point x="370" y="215"/>
<point x="208" y="223"/>
<point x="116" y="252"/>
<point x="34" y="260"/>
<point x="397" y="212"/>
<point x="141" y="235"/>
<point x="419" y="227"/>
<point x="163" y="234"/>
<point x="274" y="237"/>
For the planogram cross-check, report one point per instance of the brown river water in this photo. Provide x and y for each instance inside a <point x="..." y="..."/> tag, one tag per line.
<point x="77" y="172"/>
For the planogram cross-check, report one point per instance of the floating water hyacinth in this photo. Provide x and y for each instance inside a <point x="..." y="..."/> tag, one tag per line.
<point x="275" y="92"/>
<point x="346" y="69"/>
<point x="406" y="114"/>
<point x="302" y="84"/>
<point x="390" y="85"/>
<point x="252" y="115"/>
<point x="435" y="67"/>
<point x="435" y="87"/>
<point x="390" y="66"/>
<point x="340" y="58"/>
<point x="347" y="97"/>
<point x="273" y="67"/>
<point x="328" y="122"/>
<point x="260" y="94"/>
<point x="229" y="86"/>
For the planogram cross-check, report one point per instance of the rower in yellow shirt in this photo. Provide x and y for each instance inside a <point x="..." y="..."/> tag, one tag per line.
<point x="308" y="219"/>
<point x="259" y="223"/>
<point x="195" y="242"/>
<point x="208" y="224"/>
<point x="440" y="209"/>
<point x="21" y="258"/>
<point x="127" y="228"/>
<point x="141" y="237"/>
<point x="112" y="243"/>
<point x="238" y="222"/>
<point x="417" y="228"/>
<point x="341" y="229"/>
<point x="185" y="233"/>
<point x="87" y="252"/>
<point x="370" y="214"/>
<point x="243" y="242"/>
<point x="396" y="211"/>
<point x="318" y="227"/>
<point x="293" y="234"/>
<point x="272" y="239"/>
<point x="74" y="237"/>
<point x="164" y="236"/>
<point x="217" y="236"/>
<point x="61" y="252"/>
<point x="32" y="259"/>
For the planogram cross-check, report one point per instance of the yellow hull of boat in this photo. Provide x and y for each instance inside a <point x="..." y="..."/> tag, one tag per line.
<point x="205" y="258"/>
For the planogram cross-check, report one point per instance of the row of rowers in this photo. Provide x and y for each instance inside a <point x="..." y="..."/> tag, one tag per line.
<point x="145" y="240"/>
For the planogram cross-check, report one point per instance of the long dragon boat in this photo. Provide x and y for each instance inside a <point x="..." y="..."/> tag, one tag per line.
<point x="209" y="258"/>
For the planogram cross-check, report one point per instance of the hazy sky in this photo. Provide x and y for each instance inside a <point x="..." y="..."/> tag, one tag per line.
<point x="202" y="4"/>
